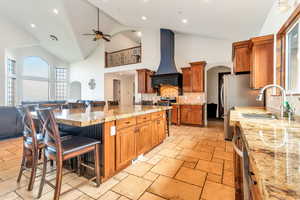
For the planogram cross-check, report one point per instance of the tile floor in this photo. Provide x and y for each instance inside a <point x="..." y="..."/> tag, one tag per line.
<point x="192" y="164"/>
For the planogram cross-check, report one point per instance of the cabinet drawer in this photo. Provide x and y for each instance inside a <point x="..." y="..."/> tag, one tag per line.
<point x="143" y="118"/>
<point x="157" y="115"/>
<point x="123" y="123"/>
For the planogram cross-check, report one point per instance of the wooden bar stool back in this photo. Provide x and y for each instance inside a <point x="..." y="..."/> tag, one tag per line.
<point x="97" y="103"/>
<point x="32" y="145"/>
<point x="61" y="149"/>
<point x="77" y="105"/>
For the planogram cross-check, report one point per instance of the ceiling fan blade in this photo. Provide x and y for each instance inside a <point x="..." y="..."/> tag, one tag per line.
<point x="106" y="35"/>
<point x="106" y="39"/>
<point x="95" y="39"/>
<point x="88" y="34"/>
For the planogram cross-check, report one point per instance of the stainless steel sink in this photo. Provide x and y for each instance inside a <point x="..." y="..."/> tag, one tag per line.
<point x="259" y="116"/>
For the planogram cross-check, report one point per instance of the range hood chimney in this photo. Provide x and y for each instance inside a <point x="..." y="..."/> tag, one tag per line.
<point x="167" y="73"/>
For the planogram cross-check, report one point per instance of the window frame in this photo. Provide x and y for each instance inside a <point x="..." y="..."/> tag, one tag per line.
<point x="66" y="81"/>
<point x="13" y="77"/>
<point x="286" y="67"/>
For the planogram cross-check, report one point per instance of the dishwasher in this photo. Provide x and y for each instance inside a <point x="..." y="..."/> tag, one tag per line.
<point x="241" y="151"/>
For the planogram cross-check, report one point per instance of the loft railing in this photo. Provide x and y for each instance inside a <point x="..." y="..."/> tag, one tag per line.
<point x="123" y="57"/>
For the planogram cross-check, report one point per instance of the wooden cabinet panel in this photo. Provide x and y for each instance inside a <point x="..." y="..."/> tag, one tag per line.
<point x="241" y="56"/>
<point x="198" y="76"/>
<point x="175" y="114"/>
<point x="157" y="115"/>
<point x="186" y="79"/>
<point x="262" y="61"/>
<point x="155" y="135"/>
<point x="123" y="123"/>
<point x="125" y="147"/>
<point x="143" y="118"/>
<point x="144" y="81"/>
<point x="161" y="130"/>
<point x="191" y="114"/>
<point x="144" y="138"/>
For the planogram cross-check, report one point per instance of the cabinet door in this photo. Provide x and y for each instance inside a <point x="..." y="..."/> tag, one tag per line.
<point x="155" y="134"/>
<point x="142" y="79"/>
<point x="175" y="115"/>
<point x="184" y="115"/>
<point x="191" y="114"/>
<point x="125" y="147"/>
<point x="187" y="81"/>
<point x="144" y="138"/>
<point x="262" y="62"/>
<point x="241" y="57"/>
<point x="197" y="78"/>
<point x="161" y="130"/>
<point x="149" y="82"/>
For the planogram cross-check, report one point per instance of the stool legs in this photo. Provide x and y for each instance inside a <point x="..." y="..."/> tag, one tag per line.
<point x="97" y="164"/>
<point x="43" y="176"/>
<point x="33" y="171"/>
<point x="22" y="167"/>
<point x="58" y="179"/>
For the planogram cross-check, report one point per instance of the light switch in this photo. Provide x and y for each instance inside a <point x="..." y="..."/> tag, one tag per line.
<point x="112" y="130"/>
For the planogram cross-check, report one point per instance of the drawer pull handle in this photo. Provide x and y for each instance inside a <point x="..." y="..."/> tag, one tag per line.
<point x="127" y="122"/>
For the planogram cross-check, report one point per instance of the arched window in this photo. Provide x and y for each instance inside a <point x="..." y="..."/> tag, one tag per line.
<point x="35" y="79"/>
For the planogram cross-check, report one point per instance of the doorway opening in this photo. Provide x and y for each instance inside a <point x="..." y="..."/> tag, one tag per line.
<point x="215" y="109"/>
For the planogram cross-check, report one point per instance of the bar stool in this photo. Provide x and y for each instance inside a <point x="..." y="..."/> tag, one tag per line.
<point x="77" y="105"/>
<point x="60" y="150"/>
<point x="97" y="103"/>
<point x="113" y="103"/>
<point x="32" y="145"/>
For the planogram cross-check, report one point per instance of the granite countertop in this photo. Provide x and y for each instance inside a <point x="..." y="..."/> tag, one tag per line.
<point x="274" y="150"/>
<point x="97" y="115"/>
<point x="190" y="104"/>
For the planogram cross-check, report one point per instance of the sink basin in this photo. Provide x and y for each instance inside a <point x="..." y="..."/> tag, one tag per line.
<point x="259" y="116"/>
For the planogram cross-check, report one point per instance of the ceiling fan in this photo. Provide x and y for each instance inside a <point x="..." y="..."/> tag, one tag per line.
<point x="97" y="33"/>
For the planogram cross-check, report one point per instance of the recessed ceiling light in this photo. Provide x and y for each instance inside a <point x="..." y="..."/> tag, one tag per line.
<point x="53" y="38"/>
<point x="144" y="18"/>
<point x="55" y="11"/>
<point x="139" y="33"/>
<point x="184" y="21"/>
<point x="32" y="25"/>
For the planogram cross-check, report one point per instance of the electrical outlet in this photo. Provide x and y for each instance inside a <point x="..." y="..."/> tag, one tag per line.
<point x="112" y="130"/>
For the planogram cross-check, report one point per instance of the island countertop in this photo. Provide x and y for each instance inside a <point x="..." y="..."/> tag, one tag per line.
<point x="97" y="115"/>
<point x="274" y="150"/>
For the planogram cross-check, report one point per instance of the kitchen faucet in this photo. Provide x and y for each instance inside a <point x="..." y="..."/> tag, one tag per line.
<point x="261" y="95"/>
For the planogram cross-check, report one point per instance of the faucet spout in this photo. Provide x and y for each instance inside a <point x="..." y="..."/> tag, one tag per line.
<point x="283" y="92"/>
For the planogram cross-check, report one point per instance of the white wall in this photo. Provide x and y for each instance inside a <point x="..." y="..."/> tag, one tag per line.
<point x="127" y="90"/>
<point x="191" y="48"/>
<point x="119" y="42"/>
<point x="11" y="36"/>
<point x="90" y="68"/>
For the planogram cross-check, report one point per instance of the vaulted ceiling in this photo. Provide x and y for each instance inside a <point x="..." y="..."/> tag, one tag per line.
<point x="223" y="19"/>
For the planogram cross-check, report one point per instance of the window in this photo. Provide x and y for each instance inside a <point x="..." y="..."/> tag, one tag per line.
<point x="292" y="60"/>
<point x="35" y="79"/>
<point x="11" y="82"/>
<point x="61" y="78"/>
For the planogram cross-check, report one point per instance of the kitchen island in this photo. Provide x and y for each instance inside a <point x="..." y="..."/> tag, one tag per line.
<point x="125" y="132"/>
<point x="273" y="147"/>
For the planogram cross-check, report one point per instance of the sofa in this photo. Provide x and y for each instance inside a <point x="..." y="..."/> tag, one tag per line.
<point x="10" y="123"/>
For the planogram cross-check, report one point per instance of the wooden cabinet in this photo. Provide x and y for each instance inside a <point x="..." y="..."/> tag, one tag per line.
<point x="125" y="147"/>
<point x="241" y="54"/>
<point x="143" y="138"/>
<point x="261" y="62"/>
<point x="158" y="128"/>
<point x="144" y="81"/>
<point x="191" y="114"/>
<point x="186" y="79"/>
<point x="193" y="77"/>
<point x="176" y="114"/>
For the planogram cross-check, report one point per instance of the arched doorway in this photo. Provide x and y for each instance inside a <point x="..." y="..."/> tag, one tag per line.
<point x="214" y="82"/>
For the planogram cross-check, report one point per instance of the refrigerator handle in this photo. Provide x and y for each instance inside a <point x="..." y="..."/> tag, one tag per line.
<point x="222" y="95"/>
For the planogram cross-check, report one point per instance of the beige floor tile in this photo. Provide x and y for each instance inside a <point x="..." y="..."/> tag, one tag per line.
<point x="123" y="198"/>
<point x="10" y="196"/>
<point x="187" y="158"/>
<point x="121" y="175"/>
<point x="228" y="178"/>
<point x="228" y="165"/>
<point x="96" y="192"/>
<point x="167" y="167"/>
<point x="217" y="160"/>
<point x="11" y="185"/>
<point x="187" y="144"/>
<point x="150" y="176"/>
<point x="139" y="168"/>
<point x="204" y="148"/>
<point x="149" y="196"/>
<point x="173" y="189"/>
<point x="214" y="178"/>
<point x="195" y="154"/>
<point x="132" y="187"/>
<point x="110" y="195"/>
<point x="155" y="159"/>
<point x="72" y="195"/>
<point x="28" y="195"/>
<point x="216" y="191"/>
<point x="211" y="167"/>
<point x="223" y="155"/>
<point x="190" y="164"/>
<point x="172" y="153"/>
<point x="191" y="176"/>
<point x="84" y="197"/>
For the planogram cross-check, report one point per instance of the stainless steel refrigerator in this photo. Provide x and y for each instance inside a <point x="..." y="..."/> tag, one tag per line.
<point x="236" y="92"/>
